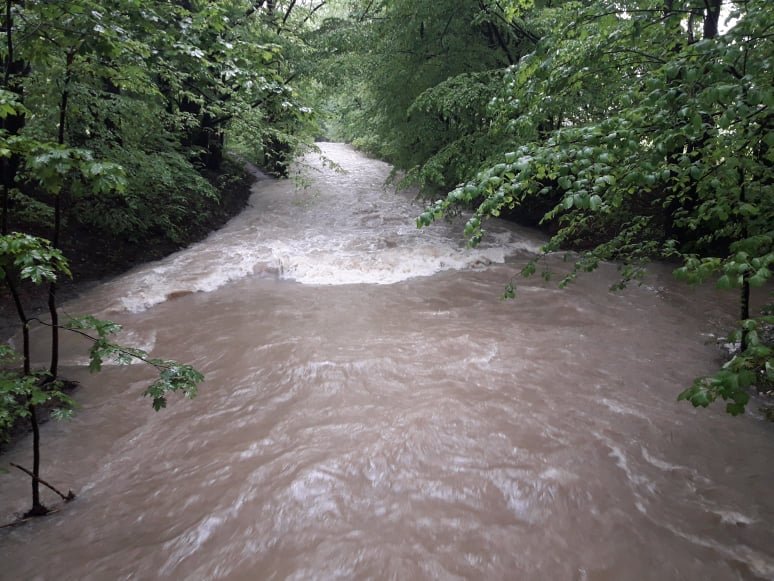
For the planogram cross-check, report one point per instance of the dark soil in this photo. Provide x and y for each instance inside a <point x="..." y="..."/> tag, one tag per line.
<point x="93" y="258"/>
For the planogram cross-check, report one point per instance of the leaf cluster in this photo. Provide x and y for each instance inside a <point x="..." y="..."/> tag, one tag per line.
<point x="643" y="142"/>
<point x="173" y="376"/>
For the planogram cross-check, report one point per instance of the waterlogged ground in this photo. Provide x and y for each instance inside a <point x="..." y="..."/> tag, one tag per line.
<point x="372" y="409"/>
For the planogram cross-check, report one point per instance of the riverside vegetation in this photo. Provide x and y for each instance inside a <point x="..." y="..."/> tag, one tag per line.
<point x="630" y="130"/>
<point x="110" y="114"/>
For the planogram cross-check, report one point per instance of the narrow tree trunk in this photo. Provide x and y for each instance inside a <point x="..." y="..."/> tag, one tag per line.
<point x="744" y="303"/>
<point x="694" y="149"/>
<point x="37" y="508"/>
<point x="8" y="26"/>
<point x="744" y="311"/>
<point x="711" y="17"/>
<point x="13" y="71"/>
<point x="54" y="367"/>
<point x="7" y="183"/>
<point x="24" y="322"/>
<point x="495" y="32"/>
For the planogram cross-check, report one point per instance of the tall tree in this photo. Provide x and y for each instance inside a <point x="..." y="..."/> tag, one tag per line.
<point x="645" y="139"/>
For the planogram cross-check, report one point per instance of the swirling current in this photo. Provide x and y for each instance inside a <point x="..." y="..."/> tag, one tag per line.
<point x="372" y="409"/>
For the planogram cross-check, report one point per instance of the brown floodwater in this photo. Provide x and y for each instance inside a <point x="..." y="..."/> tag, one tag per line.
<point x="373" y="410"/>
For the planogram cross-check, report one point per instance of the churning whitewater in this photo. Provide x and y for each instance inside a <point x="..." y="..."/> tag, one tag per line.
<point x="372" y="409"/>
<point x="347" y="228"/>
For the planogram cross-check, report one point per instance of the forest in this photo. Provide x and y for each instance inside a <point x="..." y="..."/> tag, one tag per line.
<point x="630" y="131"/>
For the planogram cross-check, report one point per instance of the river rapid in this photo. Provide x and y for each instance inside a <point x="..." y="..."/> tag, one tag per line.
<point x="373" y="410"/>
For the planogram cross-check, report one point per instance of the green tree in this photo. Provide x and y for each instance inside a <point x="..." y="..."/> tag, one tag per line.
<point x="414" y="81"/>
<point x="22" y="392"/>
<point x="648" y="135"/>
<point x="26" y="258"/>
<point x="58" y="169"/>
<point x="155" y="87"/>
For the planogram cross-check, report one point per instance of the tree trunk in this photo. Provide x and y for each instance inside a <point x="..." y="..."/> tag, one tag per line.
<point x="744" y="311"/>
<point x="205" y="136"/>
<point x="691" y="201"/>
<point x="744" y="303"/>
<point x="711" y="17"/>
<point x="54" y="367"/>
<point x="13" y="71"/>
<point x="37" y="507"/>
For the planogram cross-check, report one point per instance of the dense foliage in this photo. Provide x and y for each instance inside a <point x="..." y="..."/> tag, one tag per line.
<point x="112" y="113"/>
<point x="631" y="130"/>
<point x="153" y="87"/>
<point x="412" y="82"/>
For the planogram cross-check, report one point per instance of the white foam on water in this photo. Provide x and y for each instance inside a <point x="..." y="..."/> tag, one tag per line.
<point x="730" y="517"/>
<point x="619" y="408"/>
<point x="759" y="564"/>
<point x="350" y="229"/>
<point x="176" y="276"/>
<point x="323" y="267"/>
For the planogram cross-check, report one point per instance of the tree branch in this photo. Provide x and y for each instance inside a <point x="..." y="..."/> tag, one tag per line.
<point x="315" y="9"/>
<point x="287" y="14"/>
<point x="67" y="498"/>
